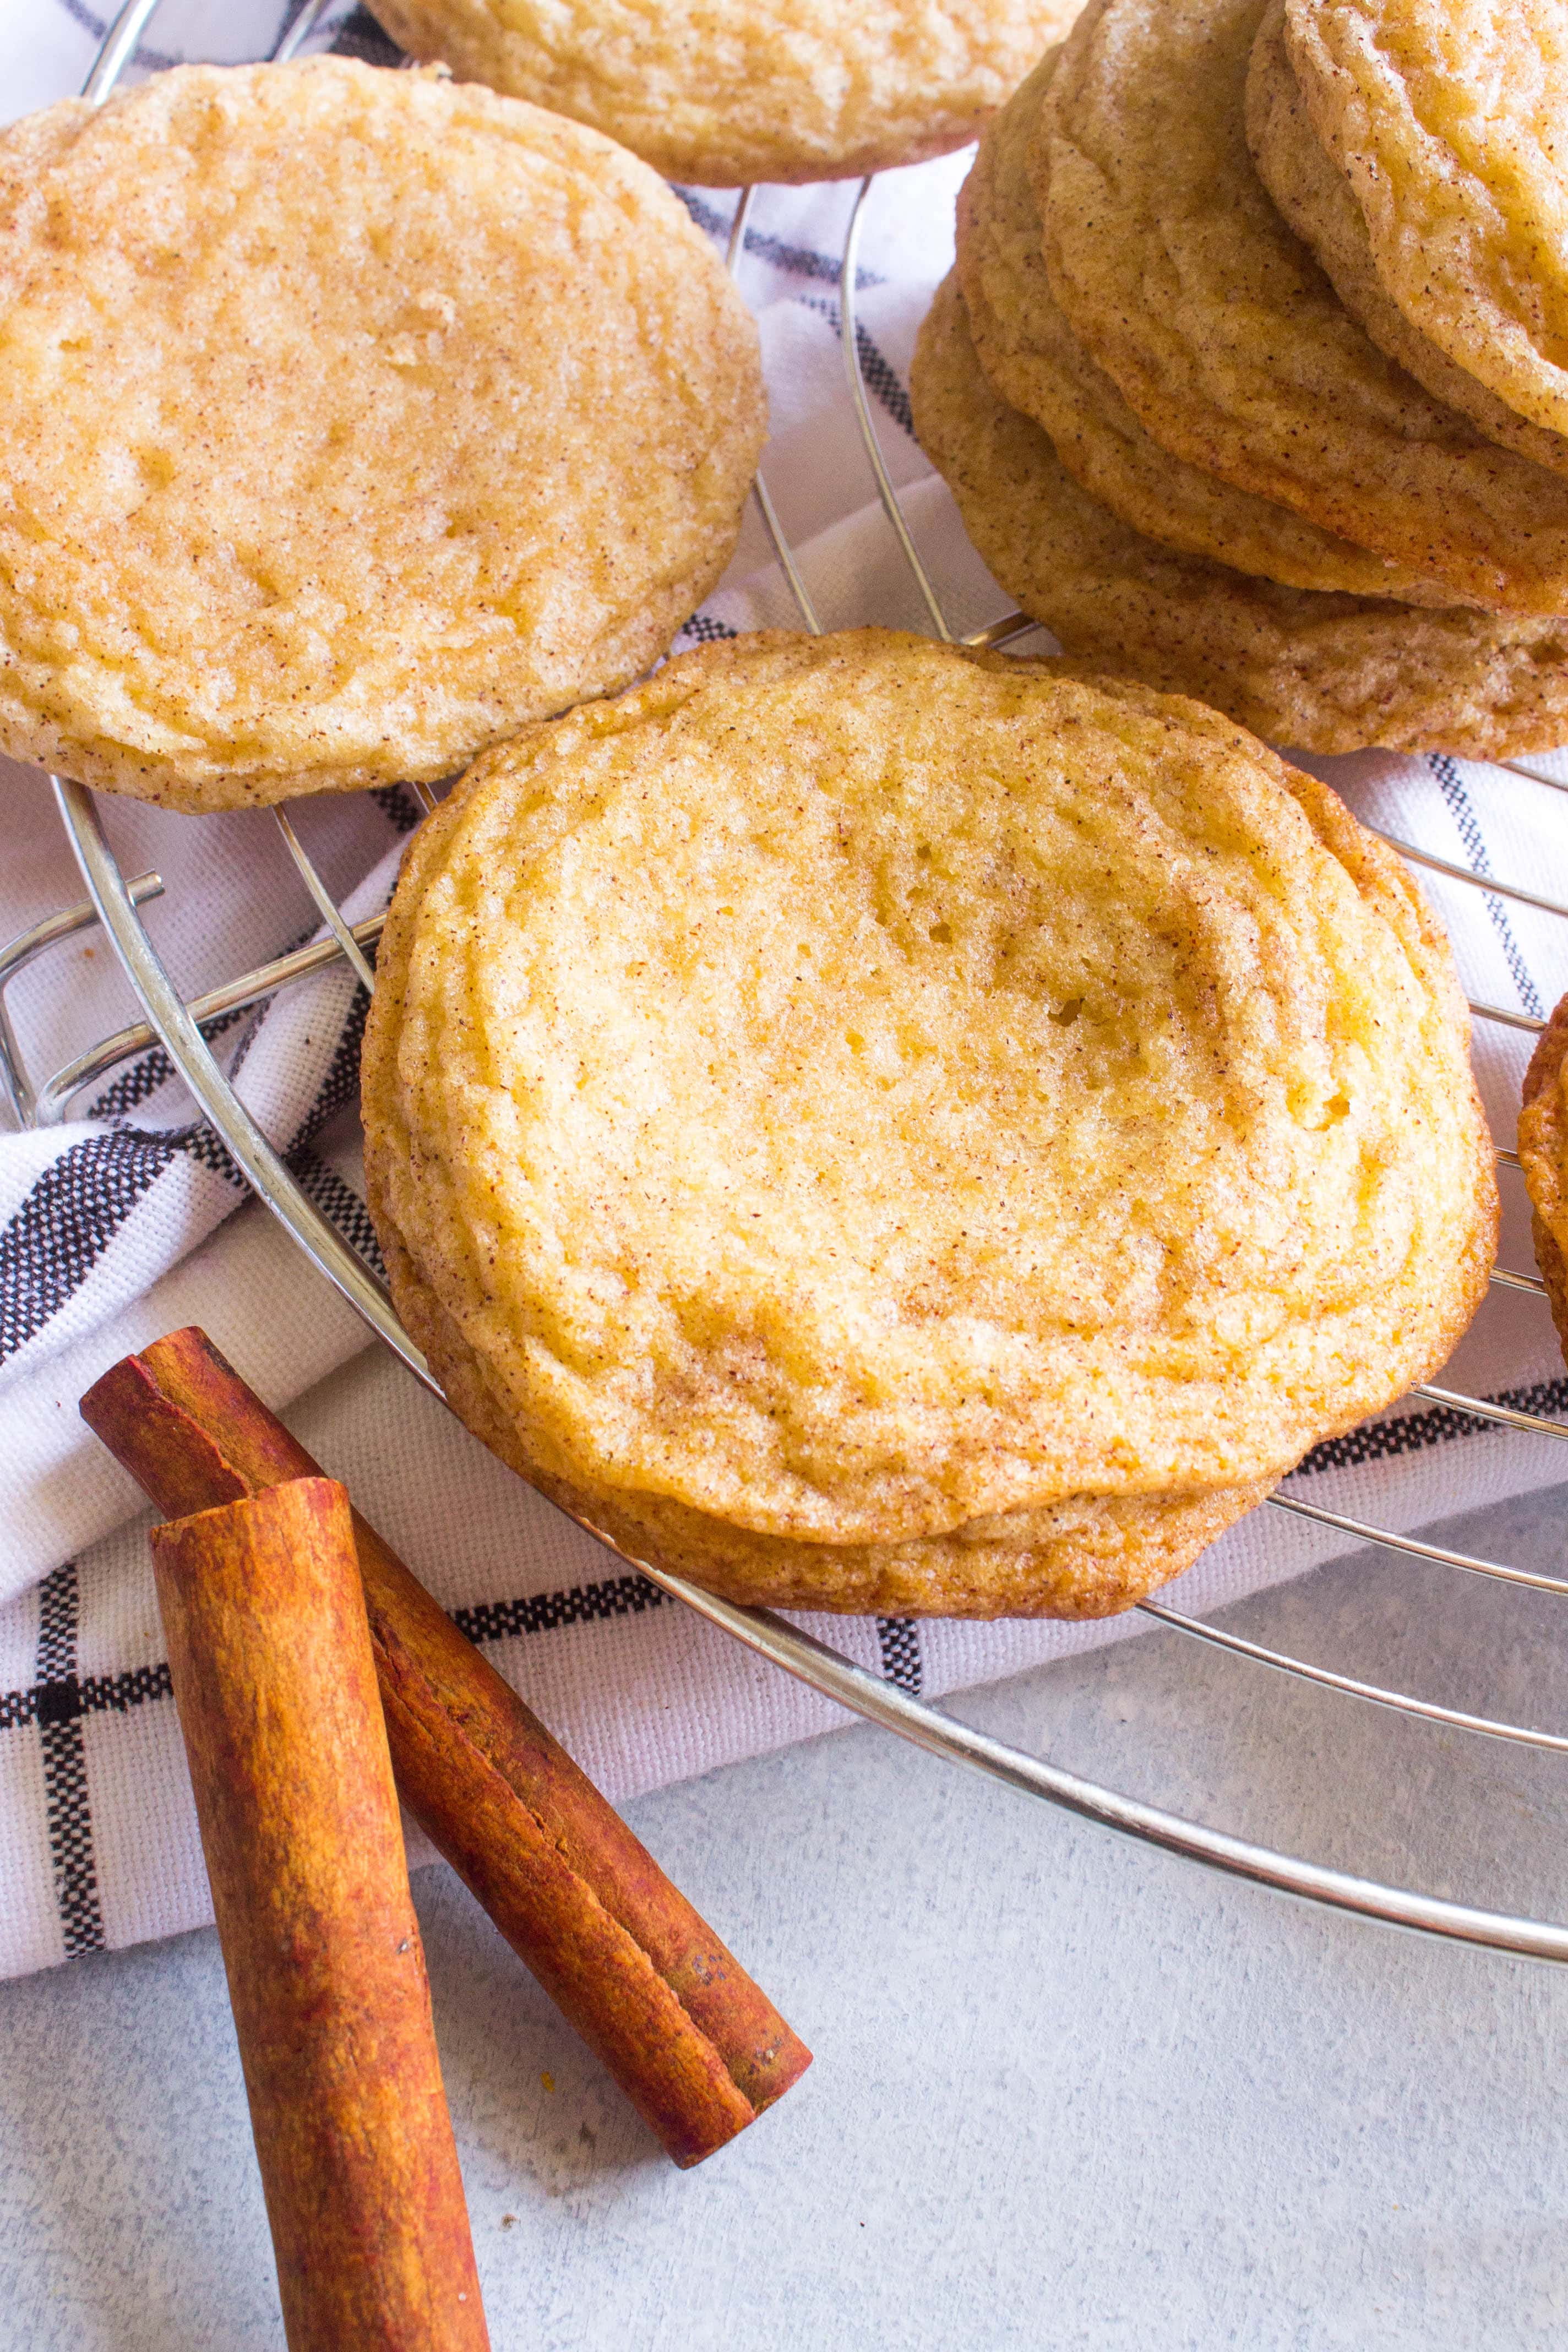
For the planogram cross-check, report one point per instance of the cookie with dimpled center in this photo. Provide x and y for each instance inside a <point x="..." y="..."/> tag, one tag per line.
<point x="853" y="1091"/>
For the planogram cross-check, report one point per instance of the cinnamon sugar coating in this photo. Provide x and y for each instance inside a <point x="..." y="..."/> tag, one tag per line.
<point x="1038" y="365"/>
<point x="1226" y="340"/>
<point x="1445" y="120"/>
<point x="728" y="92"/>
<point x="1325" y="673"/>
<point x="353" y="420"/>
<point x="852" y="1091"/>
<point x="1316" y="201"/>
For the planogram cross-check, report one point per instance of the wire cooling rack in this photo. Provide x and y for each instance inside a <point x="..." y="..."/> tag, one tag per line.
<point x="113" y="902"/>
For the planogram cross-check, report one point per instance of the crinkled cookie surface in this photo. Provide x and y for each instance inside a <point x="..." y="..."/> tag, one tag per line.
<point x="352" y="419"/>
<point x="851" y="1089"/>
<point x="1086" y="1555"/>
<point x="1450" y="120"/>
<point x="1316" y="200"/>
<point x="1037" y="363"/>
<point x="1325" y="673"/>
<point x="1179" y="276"/>
<point x="728" y="92"/>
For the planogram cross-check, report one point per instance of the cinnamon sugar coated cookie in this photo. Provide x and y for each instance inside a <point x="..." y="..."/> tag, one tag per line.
<point x="1037" y="364"/>
<point x="1316" y="200"/>
<point x="727" y="92"/>
<point x="1325" y="673"/>
<point x="1449" y="119"/>
<point x="1179" y="277"/>
<point x="1543" y="1155"/>
<point x="848" y="1093"/>
<point x="352" y="419"/>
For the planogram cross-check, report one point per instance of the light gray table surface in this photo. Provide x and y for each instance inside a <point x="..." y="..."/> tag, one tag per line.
<point x="1067" y="2093"/>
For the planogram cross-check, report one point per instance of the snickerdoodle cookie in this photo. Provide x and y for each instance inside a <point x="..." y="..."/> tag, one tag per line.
<point x="849" y="1090"/>
<point x="1181" y="278"/>
<point x="1324" y="672"/>
<point x="1316" y="199"/>
<point x="726" y="91"/>
<point x="1445" y="118"/>
<point x="1544" y="1154"/>
<point x="352" y="419"/>
<point x="1038" y="365"/>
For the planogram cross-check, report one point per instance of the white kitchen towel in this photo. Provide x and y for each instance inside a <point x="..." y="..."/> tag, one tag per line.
<point x="129" y="1219"/>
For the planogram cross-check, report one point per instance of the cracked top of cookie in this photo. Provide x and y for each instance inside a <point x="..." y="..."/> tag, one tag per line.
<point x="850" y="1086"/>
<point x="352" y="419"/>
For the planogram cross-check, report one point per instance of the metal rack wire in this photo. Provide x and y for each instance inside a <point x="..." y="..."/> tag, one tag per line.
<point x="114" y="901"/>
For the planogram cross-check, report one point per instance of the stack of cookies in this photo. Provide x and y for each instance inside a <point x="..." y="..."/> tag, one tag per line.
<point x="1249" y="381"/>
<point x="873" y="1127"/>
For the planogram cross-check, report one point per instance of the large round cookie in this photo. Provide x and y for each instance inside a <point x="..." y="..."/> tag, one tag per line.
<point x="849" y="1089"/>
<point x="1544" y="1154"/>
<point x="1038" y="365"/>
<point x="1325" y="673"/>
<point x="1447" y="118"/>
<point x="352" y="419"/>
<point x="727" y="92"/>
<point x="1316" y="200"/>
<point x="1181" y="278"/>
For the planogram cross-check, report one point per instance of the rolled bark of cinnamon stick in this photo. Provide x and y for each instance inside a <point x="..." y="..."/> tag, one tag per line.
<point x="695" y="2045"/>
<point x="270" y="1659"/>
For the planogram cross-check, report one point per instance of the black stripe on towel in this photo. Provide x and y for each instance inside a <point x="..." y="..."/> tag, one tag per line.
<point x="1451" y="785"/>
<point x="704" y="630"/>
<point x="881" y="377"/>
<point x="341" y="1207"/>
<point x="66" y="1224"/>
<point x="79" y="1203"/>
<point x="899" y="1638"/>
<point x="60" y="1698"/>
<point x="547" y="1612"/>
<point x="150" y="60"/>
<point x="1417" y="1432"/>
<point x="58" y="1711"/>
<point x="799" y="260"/>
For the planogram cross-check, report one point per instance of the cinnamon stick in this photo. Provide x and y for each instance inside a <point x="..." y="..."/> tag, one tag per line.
<point x="695" y="2045"/>
<point x="270" y="1659"/>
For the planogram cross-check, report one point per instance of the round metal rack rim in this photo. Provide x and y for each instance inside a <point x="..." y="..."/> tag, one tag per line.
<point x="114" y="902"/>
